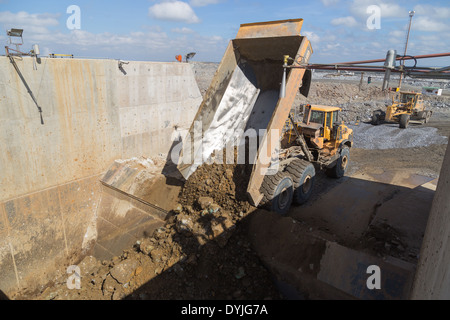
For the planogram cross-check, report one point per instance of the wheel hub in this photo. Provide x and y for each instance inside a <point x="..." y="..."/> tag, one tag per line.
<point x="283" y="198"/>
<point x="306" y="184"/>
<point x="344" y="162"/>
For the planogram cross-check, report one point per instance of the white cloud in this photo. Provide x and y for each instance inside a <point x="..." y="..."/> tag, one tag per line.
<point x="345" y="21"/>
<point x="388" y="9"/>
<point x="397" y="34"/>
<point x="202" y="3"/>
<point x="428" y="24"/>
<point x="150" y="43"/>
<point x="328" y="3"/>
<point x="312" y="37"/>
<point x="183" y="30"/>
<point x="30" y="22"/>
<point x="433" y="11"/>
<point x="174" y="11"/>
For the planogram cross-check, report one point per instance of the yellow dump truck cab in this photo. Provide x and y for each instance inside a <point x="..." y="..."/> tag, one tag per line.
<point x="322" y="129"/>
<point x="406" y="106"/>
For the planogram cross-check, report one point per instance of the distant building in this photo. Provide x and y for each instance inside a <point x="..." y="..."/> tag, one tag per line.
<point x="431" y="91"/>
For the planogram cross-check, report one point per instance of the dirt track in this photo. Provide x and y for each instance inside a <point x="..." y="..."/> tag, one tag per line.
<point x="204" y="251"/>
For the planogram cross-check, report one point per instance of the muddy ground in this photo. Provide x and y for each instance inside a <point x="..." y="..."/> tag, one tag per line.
<point x="204" y="252"/>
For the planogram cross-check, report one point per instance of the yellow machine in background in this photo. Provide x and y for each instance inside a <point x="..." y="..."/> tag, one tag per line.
<point x="405" y="107"/>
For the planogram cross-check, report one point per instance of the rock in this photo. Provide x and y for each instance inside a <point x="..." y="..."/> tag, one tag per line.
<point x="229" y="174"/>
<point x="146" y="246"/>
<point x="240" y="274"/>
<point x="109" y="285"/>
<point x="205" y="202"/>
<point x="214" y="208"/>
<point x="138" y="271"/>
<point x="178" y="208"/>
<point x="88" y="265"/>
<point x="118" y="294"/>
<point x="184" y="224"/>
<point x="157" y="255"/>
<point x="124" y="271"/>
<point x="189" y="209"/>
<point x="221" y="227"/>
<point x="115" y="260"/>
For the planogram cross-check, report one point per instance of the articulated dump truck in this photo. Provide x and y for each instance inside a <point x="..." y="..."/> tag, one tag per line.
<point x="251" y="96"/>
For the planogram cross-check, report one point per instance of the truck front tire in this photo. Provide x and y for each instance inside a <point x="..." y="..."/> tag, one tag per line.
<point x="338" y="171"/>
<point x="404" y="120"/>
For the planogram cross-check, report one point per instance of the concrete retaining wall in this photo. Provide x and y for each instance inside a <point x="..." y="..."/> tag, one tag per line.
<point x="432" y="280"/>
<point x="94" y="113"/>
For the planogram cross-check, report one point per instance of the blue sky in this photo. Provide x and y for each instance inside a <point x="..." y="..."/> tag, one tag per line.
<point x="158" y="30"/>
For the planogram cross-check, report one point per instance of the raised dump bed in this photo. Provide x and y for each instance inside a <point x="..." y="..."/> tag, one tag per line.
<point x="245" y="94"/>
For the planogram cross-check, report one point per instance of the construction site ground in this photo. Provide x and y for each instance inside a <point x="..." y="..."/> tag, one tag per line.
<point x="208" y="248"/>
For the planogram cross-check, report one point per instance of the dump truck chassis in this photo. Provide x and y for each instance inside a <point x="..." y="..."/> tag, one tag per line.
<point x="295" y="179"/>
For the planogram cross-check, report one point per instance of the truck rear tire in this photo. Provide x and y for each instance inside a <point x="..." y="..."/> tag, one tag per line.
<point x="338" y="171"/>
<point x="278" y="191"/>
<point x="422" y="115"/>
<point x="303" y="175"/>
<point x="376" y="118"/>
<point x="404" y="121"/>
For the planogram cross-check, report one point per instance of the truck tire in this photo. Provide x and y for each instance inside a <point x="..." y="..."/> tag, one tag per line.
<point x="303" y="175"/>
<point x="422" y="115"/>
<point x="278" y="191"/>
<point x="376" y="118"/>
<point x="338" y="171"/>
<point x="404" y="121"/>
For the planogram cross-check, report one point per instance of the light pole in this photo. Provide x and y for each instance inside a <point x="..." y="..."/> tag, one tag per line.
<point x="411" y="14"/>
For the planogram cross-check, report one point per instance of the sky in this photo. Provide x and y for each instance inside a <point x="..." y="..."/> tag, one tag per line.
<point x="158" y="30"/>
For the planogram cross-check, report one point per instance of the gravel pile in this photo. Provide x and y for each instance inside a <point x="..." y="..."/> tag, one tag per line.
<point x="390" y="136"/>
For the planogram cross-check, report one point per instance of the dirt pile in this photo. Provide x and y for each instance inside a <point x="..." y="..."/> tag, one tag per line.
<point x="226" y="184"/>
<point x="204" y="73"/>
<point x="390" y="136"/>
<point x="201" y="253"/>
<point x="199" y="259"/>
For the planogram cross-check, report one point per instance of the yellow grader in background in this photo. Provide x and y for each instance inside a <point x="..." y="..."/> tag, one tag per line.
<point x="319" y="141"/>
<point x="405" y="107"/>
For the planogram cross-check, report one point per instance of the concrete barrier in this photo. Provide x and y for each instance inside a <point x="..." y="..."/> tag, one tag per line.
<point x="94" y="113"/>
<point x="432" y="280"/>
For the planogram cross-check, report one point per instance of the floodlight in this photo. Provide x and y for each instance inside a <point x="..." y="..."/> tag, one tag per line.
<point x="15" y="33"/>
<point x="189" y="56"/>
